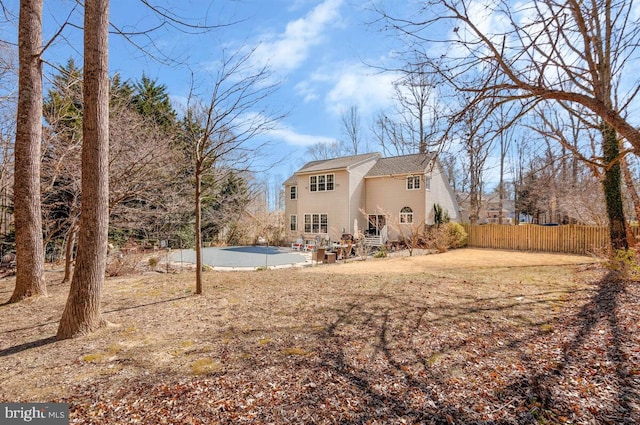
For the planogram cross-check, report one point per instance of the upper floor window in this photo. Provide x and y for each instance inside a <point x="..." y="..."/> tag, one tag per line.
<point x="413" y="182"/>
<point x="427" y="183"/>
<point x="321" y="183"/>
<point x="293" y="193"/>
<point x="406" y="215"/>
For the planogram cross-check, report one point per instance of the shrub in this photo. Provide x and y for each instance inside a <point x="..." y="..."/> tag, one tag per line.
<point x="440" y="216"/>
<point x="627" y="263"/>
<point x="122" y="265"/>
<point x="153" y="262"/>
<point x="381" y="253"/>
<point x="457" y="235"/>
<point x="445" y="236"/>
<point x="361" y="249"/>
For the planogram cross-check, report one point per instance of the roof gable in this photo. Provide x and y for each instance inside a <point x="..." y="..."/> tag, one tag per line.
<point x="344" y="162"/>
<point x="395" y="165"/>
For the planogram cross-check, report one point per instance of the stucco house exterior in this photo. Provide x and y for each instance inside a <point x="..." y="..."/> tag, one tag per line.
<point x="366" y="194"/>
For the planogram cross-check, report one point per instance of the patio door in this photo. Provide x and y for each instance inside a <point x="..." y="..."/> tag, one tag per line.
<point x="376" y="223"/>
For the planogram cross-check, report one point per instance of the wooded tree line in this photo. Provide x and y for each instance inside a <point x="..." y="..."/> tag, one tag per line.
<point x="151" y="176"/>
<point x="150" y="167"/>
<point x="539" y="97"/>
<point x="115" y="160"/>
<point x="563" y="70"/>
<point x="544" y="92"/>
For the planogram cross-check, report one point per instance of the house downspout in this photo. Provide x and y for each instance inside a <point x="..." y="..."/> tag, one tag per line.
<point x="426" y="201"/>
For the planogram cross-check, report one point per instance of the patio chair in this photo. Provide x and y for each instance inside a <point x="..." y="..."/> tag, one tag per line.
<point x="297" y="245"/>
<point x="309" y="245"/>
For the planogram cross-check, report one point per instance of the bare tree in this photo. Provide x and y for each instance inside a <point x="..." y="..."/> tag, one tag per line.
<point x="352" y="129"/>
<point x="325" y="150"/>
<point x="220" y="134"/>
<point x="28" y="218"/>
<point x="417" y="107"/>
<point x="505" y="137"/>
<point x="476" y="142"/>
<point x="389" y="135"/>
<point x="631" y="186"/>
<point x="414" y="123"/>
<point x="8" y="99"/>
<point x="82" y="310"/>
<point x="568" y="53"/>
<point x="518" y="157"/>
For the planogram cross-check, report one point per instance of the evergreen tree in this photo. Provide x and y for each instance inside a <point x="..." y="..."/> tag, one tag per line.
<point x="151" y="99"/>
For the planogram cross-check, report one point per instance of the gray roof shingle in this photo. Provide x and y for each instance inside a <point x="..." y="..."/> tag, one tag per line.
<point x="330" y="164"/>
<point x="405" y="164"/>
<point x="396" y="165"/>
<point x="335" y="163"/>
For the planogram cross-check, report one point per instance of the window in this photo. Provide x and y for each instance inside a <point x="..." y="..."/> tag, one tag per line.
<point x="427" y="183"/>
<point x="321" y="183"/>
<point x="413" y="182"/>
<point x="315" y="223"/>
<point x="293" y="223"/>
<point x="293" y="194"/>
<point x="406" y="215"/>
<point x="329" y="181"/>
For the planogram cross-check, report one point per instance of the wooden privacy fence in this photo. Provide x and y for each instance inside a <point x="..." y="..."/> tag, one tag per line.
<point x="570" y="239"/>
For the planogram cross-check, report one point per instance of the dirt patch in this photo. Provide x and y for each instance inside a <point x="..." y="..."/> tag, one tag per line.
<point x="470" y="336"/>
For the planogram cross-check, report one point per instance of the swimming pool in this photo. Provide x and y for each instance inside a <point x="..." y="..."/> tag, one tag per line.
<point x="242" y="257"/>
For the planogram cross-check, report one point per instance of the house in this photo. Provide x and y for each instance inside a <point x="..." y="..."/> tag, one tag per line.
<point x="489" y="209"/>
<point x="379" y="197"/>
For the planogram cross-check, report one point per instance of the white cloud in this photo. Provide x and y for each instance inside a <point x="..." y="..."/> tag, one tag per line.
<point x="291" y="137"/>
<point x="306" y="90"/>
<point x="361" y="86"/>
<point x="288" y="50"/>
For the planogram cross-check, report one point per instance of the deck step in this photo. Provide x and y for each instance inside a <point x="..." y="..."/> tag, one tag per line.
<point x="373" y="240"/>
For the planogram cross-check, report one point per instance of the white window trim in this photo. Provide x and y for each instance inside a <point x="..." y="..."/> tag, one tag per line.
<point x="293" y="193"/>
<point x="315" y="187"/>
<point x="406" y="217"/>
<point x="413" y="180"/>
<point x="319" y="227"/>
<point x="293" y="218"/>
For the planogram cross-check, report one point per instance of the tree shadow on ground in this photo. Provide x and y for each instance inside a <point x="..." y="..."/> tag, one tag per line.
<point x="536" y="393"/>
<point x="49" y="340"/>
<point x="602" y="311"/>
<point x="27" y="346"/>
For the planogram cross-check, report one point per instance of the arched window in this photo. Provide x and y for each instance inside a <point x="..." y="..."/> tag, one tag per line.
<point x="406" y="215"/>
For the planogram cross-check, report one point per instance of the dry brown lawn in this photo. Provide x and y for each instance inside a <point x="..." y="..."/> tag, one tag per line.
<point x="468" y="336"/>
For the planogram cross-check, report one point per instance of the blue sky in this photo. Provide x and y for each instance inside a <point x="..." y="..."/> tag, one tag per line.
<point x="321" y="51"/>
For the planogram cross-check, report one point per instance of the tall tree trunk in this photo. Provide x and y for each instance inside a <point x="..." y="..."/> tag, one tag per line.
<point x="633" y="193"/>
<point x="631" y="187"/>
<point x="612" y="189"/>
<point x="501" y="181"/>
<point x="68" y="257"/>
<point x="27" y="211"/>
<point x="82" y="311"/>
<point x="198" y="229"/>
<point x="474" y="202"/>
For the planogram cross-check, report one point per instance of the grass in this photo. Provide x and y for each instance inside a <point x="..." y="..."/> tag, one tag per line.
<point x="474" y="329"/>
